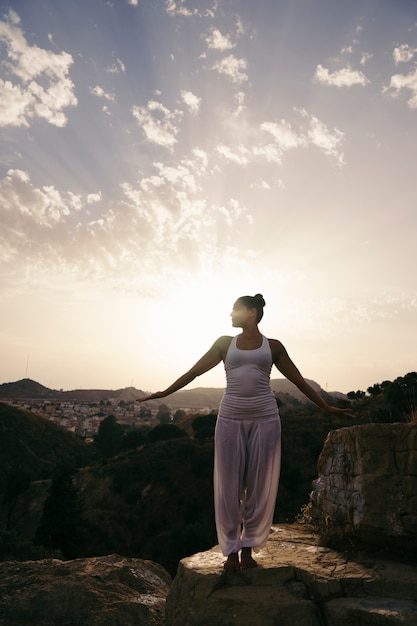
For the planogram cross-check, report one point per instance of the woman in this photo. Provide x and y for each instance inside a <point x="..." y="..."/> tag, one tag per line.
<point x="248" y="431"/>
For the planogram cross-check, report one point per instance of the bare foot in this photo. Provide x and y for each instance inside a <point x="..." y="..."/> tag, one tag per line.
<point x="232" y="563"/>
<point x="246" y="560"/>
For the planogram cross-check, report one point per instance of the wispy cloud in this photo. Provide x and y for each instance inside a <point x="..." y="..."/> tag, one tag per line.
<point x="283" y="134"/>
<point x="192" y="101"/>
<point x="403" y="53"/>
<point x="37" y="84"/>
<point x="161" y="225"/>
<point x="100" y="93"/>
<point x="116" y="68"/>
<point x="408" y="82"/>
<point x="345" y="77"/>
<point x="365" y="57"/>
<point x="233" y="68"/>
<point x="216" y="41"/>
<point x="320" y="136"/>
<point x="237" y="154"/>
<point x="158" y="123"/>
<point x="179" y="8"/>
<point x="310" y="131"/>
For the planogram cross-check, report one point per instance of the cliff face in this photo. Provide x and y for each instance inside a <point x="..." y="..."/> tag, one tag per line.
<point x="367" y="485"/>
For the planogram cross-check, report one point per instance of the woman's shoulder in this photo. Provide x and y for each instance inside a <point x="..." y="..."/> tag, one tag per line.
<point x="276" y="346"/>
<point x="223" y="344"/>
<point x="224" y="340"/>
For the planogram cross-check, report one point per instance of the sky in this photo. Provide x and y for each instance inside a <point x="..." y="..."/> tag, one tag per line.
<point x="161" y="158"/>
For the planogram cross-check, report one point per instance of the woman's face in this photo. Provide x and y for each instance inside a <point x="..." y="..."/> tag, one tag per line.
<point x="241" y="314"/>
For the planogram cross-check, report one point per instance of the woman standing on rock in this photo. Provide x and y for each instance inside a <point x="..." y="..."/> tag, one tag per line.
<point x="247" y="455"/>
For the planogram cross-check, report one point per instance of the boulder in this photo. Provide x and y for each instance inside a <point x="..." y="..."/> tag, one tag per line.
<point x="367" y="485"/>
<point x="102" y="591"/>
<point x="297" y="582"/>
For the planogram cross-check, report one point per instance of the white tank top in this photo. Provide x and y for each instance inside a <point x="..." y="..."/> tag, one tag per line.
<point x="248" y="391"/>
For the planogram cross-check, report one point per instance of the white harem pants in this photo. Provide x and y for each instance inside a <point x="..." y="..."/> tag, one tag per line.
<point x="247" y="462"/>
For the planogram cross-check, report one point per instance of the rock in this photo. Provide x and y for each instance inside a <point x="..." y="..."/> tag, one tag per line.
<point x="297" y="582"/>
<point x="370" y="611"/>
<point x="102" y="591"/>
<point x="367" y="484"/>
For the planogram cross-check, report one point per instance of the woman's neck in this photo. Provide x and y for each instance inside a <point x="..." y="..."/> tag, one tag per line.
<point x="251" y="332"/>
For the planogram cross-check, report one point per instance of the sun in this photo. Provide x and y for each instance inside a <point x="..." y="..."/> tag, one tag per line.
<point x="181" y="322"/>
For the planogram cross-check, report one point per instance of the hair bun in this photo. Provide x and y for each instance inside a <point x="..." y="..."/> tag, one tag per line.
<point x="260" y="297"/>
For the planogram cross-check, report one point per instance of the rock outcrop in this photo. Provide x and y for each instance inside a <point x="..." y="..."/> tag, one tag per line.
<point x="367" y="485"/>
<point x="101" y="591"/>
<point x="297" y="582"/>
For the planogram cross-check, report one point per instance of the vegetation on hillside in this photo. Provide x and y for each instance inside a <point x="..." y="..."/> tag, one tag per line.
<point x="31" y="444"/>
<point x="150" y="495"/>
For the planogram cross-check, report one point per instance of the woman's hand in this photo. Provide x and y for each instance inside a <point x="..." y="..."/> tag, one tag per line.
<point x="152" y="396"/>
<point x="348" y="412"/>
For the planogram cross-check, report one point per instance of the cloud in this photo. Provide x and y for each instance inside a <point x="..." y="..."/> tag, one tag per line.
<point x="238" y="154"/>
<point x="28" y="217"/>
<point x="158" y="226"/>
<point x="366" y="56"/>
<point x="319" y="135"/>
<point x="233" y="68"/>
<point x="216" y="41"/>
<point x="270" y="152"/>
<point x="240" y="101"/>
<point x="36" y="82"/>
<point x="231" y="211"/>
<point x="405" y="81"/>
<point x="345" y="77"/>
<point x="158" y="123"/>
<point x="116" y="68"/>
<point x="311" y="131"/>
<point x="93" y="197"/>
<point x="179" y="8"/>
<point x="283" y="133"/>
<point x="403" y="53"/>
<point x="182" y="177"/>
<point x="100" y="93"/>
<point x="262" y="185"/>
<point x="192" y="101"/>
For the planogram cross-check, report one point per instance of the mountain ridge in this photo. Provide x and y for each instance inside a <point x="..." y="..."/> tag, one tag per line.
<point x="29" y="389"/>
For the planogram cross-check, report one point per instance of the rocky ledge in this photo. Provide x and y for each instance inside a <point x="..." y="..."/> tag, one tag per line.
<point x="297" y="581"/>
<point x="102" y="591"/>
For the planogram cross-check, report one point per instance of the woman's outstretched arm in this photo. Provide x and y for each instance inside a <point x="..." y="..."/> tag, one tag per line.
<point x="209" y="360"/>
<point x="286" y="366"/>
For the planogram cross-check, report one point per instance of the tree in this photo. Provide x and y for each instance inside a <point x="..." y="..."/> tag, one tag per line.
<point x="204" y="426"/>
<point x="17" y="482"/>
<point x="61" y="525"/>
<point x="109" y="437"/>
<point x="356" y="395"/>
<point x="179" y="413"/>
<point x="162" y="432"/>
<point x="164" y="414"/>
<point x="374" y="390"/>
<point x="401" y="395"/>
<point x="133" y="438"/>
<point x="145" y="412"/>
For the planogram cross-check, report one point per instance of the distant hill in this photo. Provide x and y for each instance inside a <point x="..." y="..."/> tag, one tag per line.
<point x="210" y="397"/>
<point x="31" y="390"/>
<point x="35" y="445"/>
<point x="26" y="388"/>
<point x="198" y="397"/>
